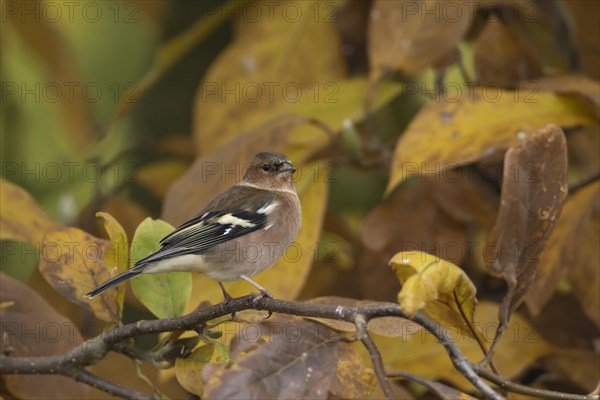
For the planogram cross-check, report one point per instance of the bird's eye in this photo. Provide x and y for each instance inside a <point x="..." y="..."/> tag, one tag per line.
<point x="266" y="167"/>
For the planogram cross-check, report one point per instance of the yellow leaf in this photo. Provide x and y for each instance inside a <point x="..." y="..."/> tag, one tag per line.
<point x="71" y="261"/>
<point x="21" y="218"/>
<point x="189" y="370"/>
<point x="421" y="354"/>
<point x="447" y="133"/>
<point x="272" y="60"/>
<point x="426" y="278"/>
<point x="116" y="259"/>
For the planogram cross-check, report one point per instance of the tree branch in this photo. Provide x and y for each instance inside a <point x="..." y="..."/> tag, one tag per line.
<point x="363" y="334"/>
<point x="93" y="350"/>
<point x="521" y="389"/>
<point x="99" y="383"/>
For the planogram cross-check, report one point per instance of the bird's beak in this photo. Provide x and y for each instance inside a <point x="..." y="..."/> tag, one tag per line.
<point x="285" y="167"/>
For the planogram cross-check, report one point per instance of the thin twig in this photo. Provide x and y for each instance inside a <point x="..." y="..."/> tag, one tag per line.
<point x="521" y="389"/>
<point x="99" y="383"/>
<point x="363" y="334"/>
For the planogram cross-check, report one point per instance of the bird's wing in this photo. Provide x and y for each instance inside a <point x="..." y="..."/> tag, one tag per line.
<point x="211" y="228"/>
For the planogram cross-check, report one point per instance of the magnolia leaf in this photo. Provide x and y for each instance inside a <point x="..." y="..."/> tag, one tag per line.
<point x="354" y="378"/>
<point x="298" y="361"/>
<point x="439" y="287"/>
<point x="32" y="328"/>
<point x="426" y="278"/>
<point x="403" y="37"/>
<point x="577" y="84"/>
<point x="116" y="259"/>
<point x="422" y="354"/>
<point x="585" y="274"/>
<point x="72" y="261"/>
<point x="447" y="134"/>
<point x="165" y="294"/>
<point x="21" y="218"/>
<point x="562" y="250"/>
<point x="534" y="189"/>
<point x="189" y="370"/>
<point x="271" y="61"/>
<point x="504" y="56"/>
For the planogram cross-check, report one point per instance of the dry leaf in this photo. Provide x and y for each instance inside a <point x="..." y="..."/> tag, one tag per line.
<point x="272" y="60"/>
<point x="412" y="35"/>
<point x="534" y="189"/>
<point x="298" y="361"/>
<point x="21" y="218"/>
<point x="561" y="252"/>
<point x="481" y="122"/>
<point x="504" y="56"/>
<point x="421" y="354"/>
<point x="72" y="263"/>
<point x="31" y="327"/>
<point x="585" y="276"/>
<point x="576" y="84"/>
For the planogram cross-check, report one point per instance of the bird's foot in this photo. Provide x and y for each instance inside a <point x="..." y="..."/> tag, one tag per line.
<point x="227" y="298"/>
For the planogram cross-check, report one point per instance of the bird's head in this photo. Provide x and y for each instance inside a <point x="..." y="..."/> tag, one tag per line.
<point x="271" y="171"/>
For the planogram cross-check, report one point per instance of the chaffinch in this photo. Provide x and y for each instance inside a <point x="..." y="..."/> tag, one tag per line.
<point x="239" y="234"/>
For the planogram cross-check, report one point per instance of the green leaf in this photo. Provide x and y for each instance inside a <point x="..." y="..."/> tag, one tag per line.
<point x="167" y="294"/>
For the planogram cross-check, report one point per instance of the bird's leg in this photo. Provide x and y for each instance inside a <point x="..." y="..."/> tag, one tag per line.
<point x="227" y="297"/>
<point x="263" y="291"/>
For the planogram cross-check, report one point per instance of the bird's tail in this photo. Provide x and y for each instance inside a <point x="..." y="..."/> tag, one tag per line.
<point x="115" y="280"/>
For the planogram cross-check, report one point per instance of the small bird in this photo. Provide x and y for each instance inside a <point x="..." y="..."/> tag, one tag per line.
<point x="239" y="234"/>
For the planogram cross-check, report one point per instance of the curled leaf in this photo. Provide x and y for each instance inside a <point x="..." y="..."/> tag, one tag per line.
<point x="534" y="189"/>
<point x="426" y="278"/>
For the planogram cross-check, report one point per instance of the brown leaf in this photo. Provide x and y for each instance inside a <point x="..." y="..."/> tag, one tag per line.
<point x="581" y="367"/>
<point x="504" y="56"/>
<point x="72" y="262"/>
<point x="21" y="218"/>
<point x="412" y="35"/>
<point x="562" y="253"/>
<point x="585" y="274"/>
<point x="409" y="220"/>
<point x="575" y="84"/>
<point x="298" y="361"/>
<point x="534" y="190"/>
<point x="466" y="198"/>
<point x="32" y="327"/>
<point x="480" y="122"/>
